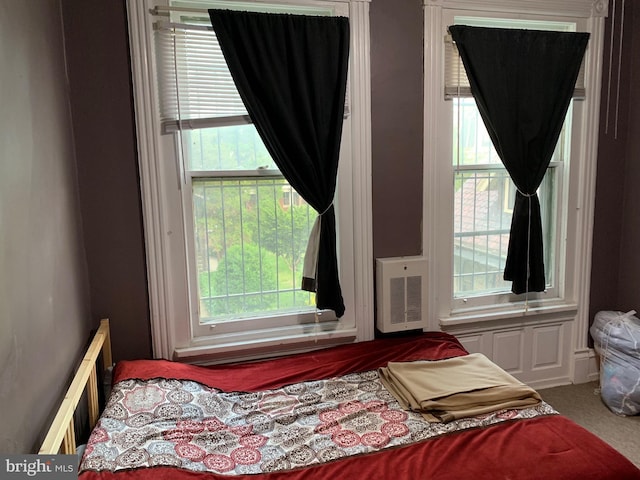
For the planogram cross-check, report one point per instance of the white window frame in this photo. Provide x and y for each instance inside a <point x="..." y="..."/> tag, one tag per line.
<point x="579" y="192"/>
<point x="173" y="334"/>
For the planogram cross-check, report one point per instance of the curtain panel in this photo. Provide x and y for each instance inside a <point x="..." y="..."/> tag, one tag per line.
<point x="291" y="73"/>
<point x="522" y="82"/>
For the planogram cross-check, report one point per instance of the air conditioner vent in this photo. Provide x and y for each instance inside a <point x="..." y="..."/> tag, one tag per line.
<point x="401" y="293"/>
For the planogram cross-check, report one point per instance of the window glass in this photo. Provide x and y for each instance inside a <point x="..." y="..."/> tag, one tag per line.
<point x="234" y="147"/>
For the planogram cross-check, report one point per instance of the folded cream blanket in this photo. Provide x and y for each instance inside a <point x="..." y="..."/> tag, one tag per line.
<point x="445" y="390"/>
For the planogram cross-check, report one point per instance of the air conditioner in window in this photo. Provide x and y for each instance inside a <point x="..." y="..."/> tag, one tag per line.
<point x="401" y="291"/>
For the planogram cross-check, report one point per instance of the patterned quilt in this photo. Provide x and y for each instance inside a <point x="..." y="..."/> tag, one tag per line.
<point x="164" y="422"/>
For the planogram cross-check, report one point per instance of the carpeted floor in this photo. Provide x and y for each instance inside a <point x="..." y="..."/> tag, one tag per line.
<point x="583" y="404"/>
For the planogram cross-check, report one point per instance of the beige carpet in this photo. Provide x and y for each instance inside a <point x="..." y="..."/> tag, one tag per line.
<point x="583" y="404"/>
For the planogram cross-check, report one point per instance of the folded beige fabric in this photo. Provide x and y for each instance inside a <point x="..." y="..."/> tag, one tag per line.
<point x="445" y="390"/>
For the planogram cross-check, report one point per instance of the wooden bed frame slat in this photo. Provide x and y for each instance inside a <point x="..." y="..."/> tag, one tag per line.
<point x="92" y="396"/>
<point x="61" y="435"/>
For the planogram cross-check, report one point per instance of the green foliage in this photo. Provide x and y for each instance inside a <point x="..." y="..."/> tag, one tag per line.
<point x="242" y="274"/>
<point x="246" y="269"/>
<point x="284" y="231"/>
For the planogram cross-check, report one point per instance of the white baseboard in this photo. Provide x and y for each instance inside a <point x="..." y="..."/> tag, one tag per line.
<point x="549" y="383"/>
<point x="585" y="366"/>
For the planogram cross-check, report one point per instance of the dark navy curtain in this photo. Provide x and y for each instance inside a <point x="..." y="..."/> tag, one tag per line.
<point x="291" y="73"/>
<point x="522" y="82"/>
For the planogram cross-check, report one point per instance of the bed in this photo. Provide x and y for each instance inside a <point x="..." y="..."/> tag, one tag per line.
<point x="319" y="415"/>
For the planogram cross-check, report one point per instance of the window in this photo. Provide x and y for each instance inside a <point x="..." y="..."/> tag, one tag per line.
<point x="226" y="233"/>
<point x="468" y="193"/>
<point x="484" y="195"/>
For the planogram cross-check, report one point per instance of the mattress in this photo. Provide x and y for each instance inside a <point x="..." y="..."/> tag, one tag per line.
<point x="324" y="415"/>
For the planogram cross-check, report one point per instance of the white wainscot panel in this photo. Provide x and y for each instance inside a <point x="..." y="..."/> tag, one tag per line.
<point x="508" y="350"/>
<point x="550" y="355"/>
<point x="473" y="343"/>
<point x="547" y="347"/>
<point x="536" y="351"/>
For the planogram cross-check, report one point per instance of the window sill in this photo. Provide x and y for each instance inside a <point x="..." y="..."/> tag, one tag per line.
<point x="232" y="350"/>
<point x="486" y="320"/>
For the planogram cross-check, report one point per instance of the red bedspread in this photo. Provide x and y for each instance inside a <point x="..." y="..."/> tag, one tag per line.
<point x="546" y="447"/>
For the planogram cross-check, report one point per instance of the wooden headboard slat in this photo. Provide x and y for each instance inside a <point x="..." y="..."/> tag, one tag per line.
<point x="92" y="397"/>
<point x="69" y="441"/>
<point x="61" y="433"/>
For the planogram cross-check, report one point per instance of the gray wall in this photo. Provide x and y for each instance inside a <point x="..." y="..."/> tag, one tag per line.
<point x="44" y="302"/>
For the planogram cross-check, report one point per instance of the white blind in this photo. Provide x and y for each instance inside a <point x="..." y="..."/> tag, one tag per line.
<point x="195" y="85"/>
<point x="456" y="83"/>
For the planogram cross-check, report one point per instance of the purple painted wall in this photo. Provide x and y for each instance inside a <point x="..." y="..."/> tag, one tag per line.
<point x="396" y="126"/>
<point x="629" y="265"/>
<point x="615" y="283"/>
<point x="104" y="129"/>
